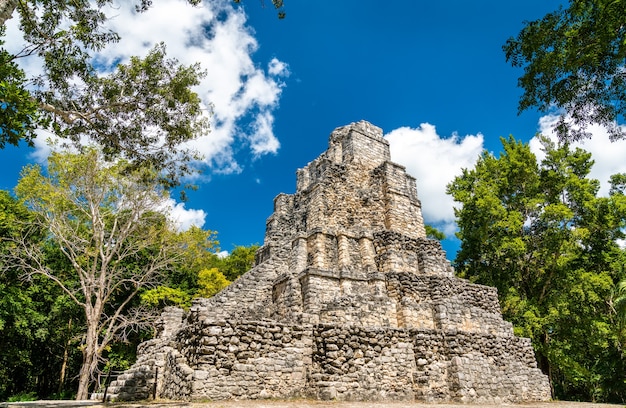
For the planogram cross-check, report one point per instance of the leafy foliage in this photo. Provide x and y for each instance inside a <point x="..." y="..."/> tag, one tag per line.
<point x="620" y="306"/>
<point x="575" y="58"/>
<point x="434" y="233"/>
<point x="239" y="261"/>
<point x="162" y="296"/>
<point x="198" y="249"/>
<point x="539" y="233"/>
<point x="211" y="281"/>
<point x="142" y="111"/>
<point x="199" y="272"/>
<point x="18" y="111"/>
<point x="42" y="328"/>
<point x="39" y="325"/>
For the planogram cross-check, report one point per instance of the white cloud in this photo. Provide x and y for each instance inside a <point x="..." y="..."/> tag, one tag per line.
<point x="241" y="95"/>
<point x="262" y="140"/>
<point x="278" y="68"/>
<point x="182" y="217"/>
<point x="609" y="157"/>
<point x="434" y="161"/>
<point x="43" y="146"/>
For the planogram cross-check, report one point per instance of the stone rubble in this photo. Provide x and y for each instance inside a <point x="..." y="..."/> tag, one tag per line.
<point x="348" y="300"/>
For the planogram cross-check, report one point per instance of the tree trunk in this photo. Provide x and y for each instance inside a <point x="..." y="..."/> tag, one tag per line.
<point x="90" y="363"/>
<point x="6" y="9"/>
<point x="83" y="378"/>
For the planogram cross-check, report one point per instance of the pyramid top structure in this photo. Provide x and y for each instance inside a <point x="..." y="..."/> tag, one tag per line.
<point x="354" y="217"/>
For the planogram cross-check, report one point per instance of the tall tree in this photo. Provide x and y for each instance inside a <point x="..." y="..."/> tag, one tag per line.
<point x="143" y="111"/>
<point x="108" y="222"/>
<point x="575" y="58"/>
<point x="539" y="233"/>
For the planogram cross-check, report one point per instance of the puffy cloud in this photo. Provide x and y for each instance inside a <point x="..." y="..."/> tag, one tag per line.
<point x="278" y="68"/>
<point x="608" y="156"/>
<point x="434" y="161"/>
<point x="262" y="139"/>
<point x="182" y="217"/>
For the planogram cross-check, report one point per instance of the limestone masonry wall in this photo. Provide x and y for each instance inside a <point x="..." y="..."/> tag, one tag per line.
<point x="347" y="300"/>
<point x="246" y="360"/>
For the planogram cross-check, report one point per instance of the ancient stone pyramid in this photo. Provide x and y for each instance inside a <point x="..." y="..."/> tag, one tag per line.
<point x="348" y="300"/>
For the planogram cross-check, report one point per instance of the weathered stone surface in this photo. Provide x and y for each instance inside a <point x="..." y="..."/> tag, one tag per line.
<point x="348" y="300"/>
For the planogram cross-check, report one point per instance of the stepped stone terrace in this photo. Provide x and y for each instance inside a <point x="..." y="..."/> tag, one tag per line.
<point x="348" y="300"/>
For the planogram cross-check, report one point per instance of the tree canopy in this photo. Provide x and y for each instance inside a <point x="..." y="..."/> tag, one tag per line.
<point x="575" y="58"/>
<point x="540" y="234"/>
<point x="142" y="111"/>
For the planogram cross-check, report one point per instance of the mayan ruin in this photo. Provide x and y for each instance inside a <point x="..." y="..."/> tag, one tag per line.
<point x="348" y="300"/>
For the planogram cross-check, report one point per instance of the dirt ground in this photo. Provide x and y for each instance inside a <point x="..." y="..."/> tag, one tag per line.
<point x="296" y="404"/>
<point x="326" y="404"/>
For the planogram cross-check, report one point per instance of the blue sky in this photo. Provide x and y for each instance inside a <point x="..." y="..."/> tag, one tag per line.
<point x="431" y="74"/>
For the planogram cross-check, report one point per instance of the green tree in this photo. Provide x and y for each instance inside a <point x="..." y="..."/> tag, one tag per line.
<point x="18" y="110"/>
<point x="239" y="261"/>
<point x="142" y="111"/>
<point x="574" y="58"/>
<point x="541" y="236"/>
<point x="163" y="295"/>
<point x="211" y="281"/>
<point x="106" y="221"/>
<point x="199" y="272"/>
<point x="197" y="252"/>
<point x="434" y="233"/>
